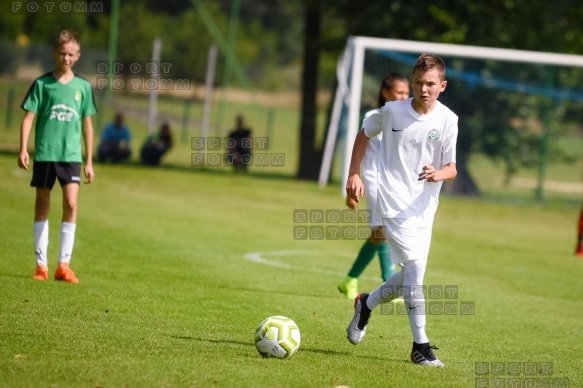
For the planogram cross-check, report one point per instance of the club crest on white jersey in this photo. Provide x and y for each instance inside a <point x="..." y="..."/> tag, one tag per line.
<point x="433" y="135"/>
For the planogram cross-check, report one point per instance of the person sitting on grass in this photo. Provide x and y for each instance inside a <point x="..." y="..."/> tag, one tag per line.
<point x="156" y="145"/>
<point x="240" y="146"/>
<point x="115" y="142"/>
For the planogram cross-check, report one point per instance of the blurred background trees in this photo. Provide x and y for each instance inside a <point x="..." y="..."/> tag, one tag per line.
<point x="294" y="45"/>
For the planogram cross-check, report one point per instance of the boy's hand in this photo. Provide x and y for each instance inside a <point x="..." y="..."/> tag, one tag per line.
<point x="351" y="203"/>
<point x="430" y="174"/>
<point x="355" y="187"/>
<point x="89" y="174"/>
<point x="23" y="160"/>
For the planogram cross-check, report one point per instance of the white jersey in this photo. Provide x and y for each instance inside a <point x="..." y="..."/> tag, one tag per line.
<point x="369" y="172"/>
<point x="369" y="162"/>
<point x="410" y="142"/>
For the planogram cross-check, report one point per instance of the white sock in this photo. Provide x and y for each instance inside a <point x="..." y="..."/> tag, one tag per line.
<point x="67" y="241"/>
<point x="386" y="292"/>
<point x="414" y="297"/>
<point x="41" y="241"/>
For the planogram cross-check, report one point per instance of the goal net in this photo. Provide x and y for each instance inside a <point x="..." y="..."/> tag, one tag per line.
<point x="509" y="102"/>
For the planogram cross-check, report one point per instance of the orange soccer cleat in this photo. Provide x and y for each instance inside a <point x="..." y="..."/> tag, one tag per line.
<point x="65" y="273"/>
<point x="42" y="273"/>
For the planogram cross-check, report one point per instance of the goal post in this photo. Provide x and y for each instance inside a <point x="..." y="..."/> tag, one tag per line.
<point x="352" y="68"/>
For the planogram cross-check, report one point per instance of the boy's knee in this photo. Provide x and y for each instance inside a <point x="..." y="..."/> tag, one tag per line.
<point x="70" y="204"/>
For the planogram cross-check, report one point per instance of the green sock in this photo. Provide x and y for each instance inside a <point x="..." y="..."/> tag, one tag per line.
<point x="366" y="254"/>
<point x="386" y="265"/>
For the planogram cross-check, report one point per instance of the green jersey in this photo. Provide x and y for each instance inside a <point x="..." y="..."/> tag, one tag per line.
<point x="59" y="111"/>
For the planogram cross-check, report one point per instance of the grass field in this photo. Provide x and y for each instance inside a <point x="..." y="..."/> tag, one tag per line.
<point x="168" y="297"/>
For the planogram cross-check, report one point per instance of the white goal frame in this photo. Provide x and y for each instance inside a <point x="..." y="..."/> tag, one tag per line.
<point x="351" y="64"/>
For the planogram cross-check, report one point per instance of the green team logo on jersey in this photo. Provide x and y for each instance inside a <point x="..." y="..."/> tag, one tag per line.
<point x="62" y="112"/>
<point x="433" y="135"/>
<point x="77" y="95"/>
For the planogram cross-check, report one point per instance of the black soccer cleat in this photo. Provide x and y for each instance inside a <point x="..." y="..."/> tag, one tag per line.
<point x="422" y="354"/>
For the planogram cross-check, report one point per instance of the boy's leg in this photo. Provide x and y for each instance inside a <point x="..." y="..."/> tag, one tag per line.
<point x="414" y="297"/>
<point x="409" y="245"/>
<point x="42" y="204"/>
<point x="365" y="256"/>
<point x="365" y="303"/>
<point x="387" y="267"/>
<point x="70" y="196"/>
<point x="349" y="285"/>
<point x="378" y="238"/>
<point x="43" y="179"/>
<point x="68" y="177"/>
<point x="391" y="289"/>
<point x="68" y="225"/>
<point x="41" y="232"/>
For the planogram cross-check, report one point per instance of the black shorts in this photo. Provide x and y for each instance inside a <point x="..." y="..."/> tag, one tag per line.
<point x="44" y="174"/>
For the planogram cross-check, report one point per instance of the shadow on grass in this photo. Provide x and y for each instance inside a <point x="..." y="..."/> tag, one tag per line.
<point x="219" y="171"/>
<point x="250" y="343"/>
<point x="213" y="341"/>
<point x="17" y="276"/>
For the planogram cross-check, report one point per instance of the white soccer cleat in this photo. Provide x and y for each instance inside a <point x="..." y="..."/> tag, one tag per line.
<point x="357" y="327"/>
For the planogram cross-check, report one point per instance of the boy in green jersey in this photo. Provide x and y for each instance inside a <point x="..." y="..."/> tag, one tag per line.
<point x="62" y="104"/>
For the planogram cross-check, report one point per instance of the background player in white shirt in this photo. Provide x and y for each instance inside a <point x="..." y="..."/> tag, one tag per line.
<point x="417" y="155"/>
<point x="394" y="87"/>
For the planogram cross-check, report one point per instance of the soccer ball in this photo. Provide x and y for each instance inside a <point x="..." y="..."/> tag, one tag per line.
<point x="277" y="336"/>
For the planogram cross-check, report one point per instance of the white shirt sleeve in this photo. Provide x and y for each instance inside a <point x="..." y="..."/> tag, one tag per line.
<point x="450" y="142"/>
<point x="373" y="124"/>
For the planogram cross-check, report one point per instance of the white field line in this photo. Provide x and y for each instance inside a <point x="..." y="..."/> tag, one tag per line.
<point x="261" y="258"/>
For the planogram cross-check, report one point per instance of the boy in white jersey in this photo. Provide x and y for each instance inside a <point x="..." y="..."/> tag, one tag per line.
<point x="417" y="155"/>
<point x="63" y="104"/>
<point x="393" y="87"/>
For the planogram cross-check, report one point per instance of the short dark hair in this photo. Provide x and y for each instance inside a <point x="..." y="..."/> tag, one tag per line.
<point x="427" y="62"/>
<point x="388" y="83"/>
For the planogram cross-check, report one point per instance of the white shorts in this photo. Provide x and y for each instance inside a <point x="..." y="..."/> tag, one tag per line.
<point x="407" y="240"/>
<point x="371" y="195"/>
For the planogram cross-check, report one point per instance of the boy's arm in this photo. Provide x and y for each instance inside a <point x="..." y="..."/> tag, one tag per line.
<point x="354" y="185"/>
<point x="447" y="173"/>
<point x="88" y="138"/>
<point x="25" y="128"/>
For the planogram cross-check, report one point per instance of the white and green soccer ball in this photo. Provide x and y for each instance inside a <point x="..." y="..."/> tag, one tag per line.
<point x="277" y="336"/>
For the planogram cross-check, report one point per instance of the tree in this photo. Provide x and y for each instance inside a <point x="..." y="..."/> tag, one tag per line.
<point x="310" y="157"/>
<point x="542" y="26"/>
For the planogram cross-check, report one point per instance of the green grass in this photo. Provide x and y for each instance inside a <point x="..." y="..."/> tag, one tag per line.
<point x="168" y="299"/>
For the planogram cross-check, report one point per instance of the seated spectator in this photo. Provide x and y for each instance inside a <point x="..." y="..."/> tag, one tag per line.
<point x="156" y="145"/>
<point x="240" y="146"/>
<point x="115" y="142"/>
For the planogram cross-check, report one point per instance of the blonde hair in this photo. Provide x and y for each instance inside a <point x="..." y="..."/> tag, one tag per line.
<point x="66" y="36"/>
